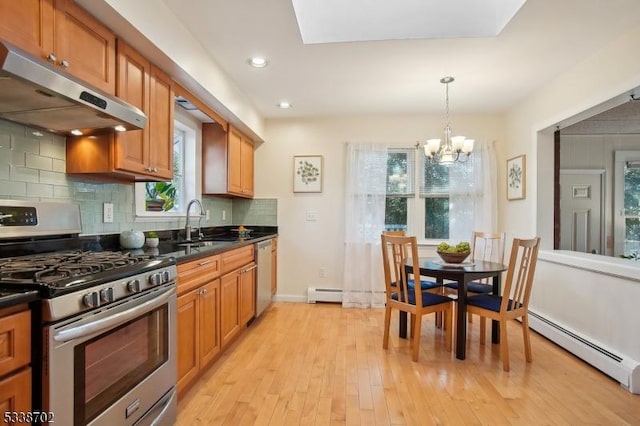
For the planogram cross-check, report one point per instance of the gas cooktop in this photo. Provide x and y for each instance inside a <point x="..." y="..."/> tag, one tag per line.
<point x="62" y="272"/>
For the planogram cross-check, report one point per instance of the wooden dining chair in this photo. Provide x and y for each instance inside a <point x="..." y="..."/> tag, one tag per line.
<point x="397" y="253"/>
<point x="487" y="247"/>
<point x="514" y="301"/>
<point x="424" y="283"/>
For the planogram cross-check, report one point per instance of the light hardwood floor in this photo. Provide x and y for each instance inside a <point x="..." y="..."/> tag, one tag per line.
<point x="324" y="365"/>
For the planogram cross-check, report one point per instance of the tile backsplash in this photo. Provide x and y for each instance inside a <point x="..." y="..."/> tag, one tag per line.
<point x="33" y="164"/>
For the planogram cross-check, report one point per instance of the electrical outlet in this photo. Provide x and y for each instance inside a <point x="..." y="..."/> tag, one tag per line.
<point x="206" y="216"/>
<point x="108" y="213"/>
<point x="322" y="273"/>
<point x="224" y="215"/>
<point x="312" y="216"/>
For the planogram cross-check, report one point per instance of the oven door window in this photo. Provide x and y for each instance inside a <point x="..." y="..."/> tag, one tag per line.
<point x="110" y="365"/>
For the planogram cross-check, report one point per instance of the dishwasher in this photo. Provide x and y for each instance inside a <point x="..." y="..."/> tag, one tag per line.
<point x="263" y="286"/>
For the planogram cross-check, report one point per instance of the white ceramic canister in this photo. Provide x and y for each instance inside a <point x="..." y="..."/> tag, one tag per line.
<point x="131" y="239"/>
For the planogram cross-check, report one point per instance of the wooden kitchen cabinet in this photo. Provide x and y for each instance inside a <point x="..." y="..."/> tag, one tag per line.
<point x="237" y="291"/>
<point x="148" y="151"/>
<point x="15" y="357"/>
<point x="135" y="155"/>
<point x="198" y="317"/>
<point x="65" y="35"/>
<point x="227" y="162"/>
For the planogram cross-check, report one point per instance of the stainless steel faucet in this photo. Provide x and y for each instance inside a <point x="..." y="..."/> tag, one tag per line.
<point x="187" y="226"/>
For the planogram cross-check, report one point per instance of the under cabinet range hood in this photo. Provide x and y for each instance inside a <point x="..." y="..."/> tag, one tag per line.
<point x="36" y="94"/>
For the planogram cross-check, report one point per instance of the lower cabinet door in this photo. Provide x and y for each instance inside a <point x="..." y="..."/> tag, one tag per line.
<point x="15" y="397"/>
<point x="188" y="344"/>
<point x="229" y="307"/>
<point x="209" y="305"/>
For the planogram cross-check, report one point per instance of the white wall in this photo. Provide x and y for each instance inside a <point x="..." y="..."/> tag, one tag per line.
<point x="573" y="295"/>
<point x="306" y="246"/>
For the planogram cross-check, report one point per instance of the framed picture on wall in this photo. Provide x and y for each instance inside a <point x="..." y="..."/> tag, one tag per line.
<point x="516" y="178"/>
<point x="307" y="173"/>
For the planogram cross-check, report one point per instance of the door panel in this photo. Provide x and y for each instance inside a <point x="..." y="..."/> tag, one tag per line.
<point x="581" y="218"/>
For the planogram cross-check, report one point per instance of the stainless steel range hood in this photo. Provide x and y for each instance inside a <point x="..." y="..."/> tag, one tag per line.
<point x="36" y="94"/>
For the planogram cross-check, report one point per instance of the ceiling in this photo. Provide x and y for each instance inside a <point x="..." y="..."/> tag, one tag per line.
<point x="401" y="76"/>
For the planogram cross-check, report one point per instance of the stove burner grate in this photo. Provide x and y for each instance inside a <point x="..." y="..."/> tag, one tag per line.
<point x="50" y="268"/>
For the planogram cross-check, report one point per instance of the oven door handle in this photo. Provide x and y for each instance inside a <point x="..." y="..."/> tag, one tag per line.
<point x="94" y="326"/>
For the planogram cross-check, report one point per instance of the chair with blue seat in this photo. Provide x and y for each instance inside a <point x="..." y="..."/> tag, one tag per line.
<point x="486" y="247"/>
<point x="514" y="301"/>
<point x="424" y="283"/>
<point x="400" y="259"/>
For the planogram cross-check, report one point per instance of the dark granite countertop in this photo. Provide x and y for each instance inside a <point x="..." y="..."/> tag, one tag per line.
<point x="16" y="297"/>
<point x="184" y="252"/>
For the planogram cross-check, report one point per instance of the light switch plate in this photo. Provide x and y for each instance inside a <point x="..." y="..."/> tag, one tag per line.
<point x="312" y="215"/>
<point x="108" y="213"/>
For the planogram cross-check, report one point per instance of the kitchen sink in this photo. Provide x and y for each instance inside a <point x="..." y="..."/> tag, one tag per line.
<point x="199" y="243"/>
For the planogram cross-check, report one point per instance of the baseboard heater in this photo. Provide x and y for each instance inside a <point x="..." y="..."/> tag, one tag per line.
<point x="623" y="369"/>
<point x="331" y="295"/>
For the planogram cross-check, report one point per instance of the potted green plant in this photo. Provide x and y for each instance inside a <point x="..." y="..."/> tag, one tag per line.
<point x="152" y="239"/>
<point x="160" y="196"/>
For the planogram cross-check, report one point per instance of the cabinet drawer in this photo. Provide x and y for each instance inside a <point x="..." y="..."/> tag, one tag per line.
<point x="15" y="341"/>
<point x="234" y="259"/>
<point x="15" y="393"/>
<point x="197" y="272"/>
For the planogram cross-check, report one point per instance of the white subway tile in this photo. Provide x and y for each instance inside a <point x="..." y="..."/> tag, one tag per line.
<point x="39" y="162"/>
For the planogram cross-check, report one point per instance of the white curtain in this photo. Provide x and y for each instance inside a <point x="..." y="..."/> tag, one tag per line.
<point x="473" y="200"/>
<point x="365" y="195"/>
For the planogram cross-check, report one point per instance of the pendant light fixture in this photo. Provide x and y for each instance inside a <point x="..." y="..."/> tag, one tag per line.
<point x="455" y="148"/>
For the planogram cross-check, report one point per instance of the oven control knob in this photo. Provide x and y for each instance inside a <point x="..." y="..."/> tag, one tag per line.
<point x="134" y="286"/>
<point x="106" y="295"/>
<point x="155" y="278"/>
<point x="165" y="276"/>
<point x="90" y="300"/>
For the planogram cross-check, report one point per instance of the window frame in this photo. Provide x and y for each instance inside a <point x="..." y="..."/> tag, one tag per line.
<point x="191" y="185"/>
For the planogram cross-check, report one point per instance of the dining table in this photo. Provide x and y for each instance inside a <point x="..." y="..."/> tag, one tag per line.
<point x="462" y="273"/>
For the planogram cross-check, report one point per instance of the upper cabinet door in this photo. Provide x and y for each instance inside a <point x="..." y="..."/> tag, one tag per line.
<point x="132" y="147"/>
<point x="235" y="158"/>
<point x="161" y="124"/>
<point x="84" y="47"/>
<point x="28" y="24"/>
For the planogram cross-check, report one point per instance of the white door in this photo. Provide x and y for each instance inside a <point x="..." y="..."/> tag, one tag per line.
<point x="581" y="210"/>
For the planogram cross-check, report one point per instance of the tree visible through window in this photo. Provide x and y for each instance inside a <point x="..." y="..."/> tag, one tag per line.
<point x="169" y="196"/>
<point x="399" y="188"/>
<point x="632" y="210"/>
<point x="426" y="212"/>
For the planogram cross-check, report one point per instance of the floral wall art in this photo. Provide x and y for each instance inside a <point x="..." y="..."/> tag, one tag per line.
<point x="516" y="178"/>
<point x="307" y="173"/>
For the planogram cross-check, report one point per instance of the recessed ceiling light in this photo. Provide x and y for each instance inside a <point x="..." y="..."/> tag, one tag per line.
<point x="258" y="62"/>
<point x="76" y="132"/>
<point x="284" y="105"/>
<point x="120" y="128"/>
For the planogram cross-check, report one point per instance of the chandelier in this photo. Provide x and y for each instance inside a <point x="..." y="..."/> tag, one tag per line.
<point x="455" y="148"/>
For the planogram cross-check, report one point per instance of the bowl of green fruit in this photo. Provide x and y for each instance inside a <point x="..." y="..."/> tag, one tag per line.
<point x="454" y="254"/>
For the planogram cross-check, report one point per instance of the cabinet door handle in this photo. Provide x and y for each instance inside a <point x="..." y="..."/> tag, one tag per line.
<point x="204" y="262"/>
<point x="64" y="63"/>
<point x="248" y="269"/>
<point x="51" y="58"/>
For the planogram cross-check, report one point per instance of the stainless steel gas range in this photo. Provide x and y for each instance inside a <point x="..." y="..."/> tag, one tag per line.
<point x="106" y="320"/>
